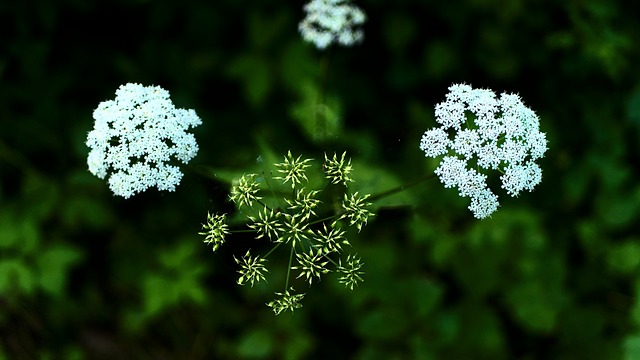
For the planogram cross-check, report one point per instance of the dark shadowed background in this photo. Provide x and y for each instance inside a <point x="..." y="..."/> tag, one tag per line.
<point x="554" y="274"/>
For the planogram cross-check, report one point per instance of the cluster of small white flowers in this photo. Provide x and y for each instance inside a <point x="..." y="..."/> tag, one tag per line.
<point x="503" y="135"/>
<point x="330" y="21"/>
<point x="136" y="135"/>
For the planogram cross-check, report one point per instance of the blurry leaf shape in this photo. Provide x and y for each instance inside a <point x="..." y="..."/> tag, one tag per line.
<point x="478" y="271"/>
<point x="624" y="257"/>
<point x="383" y="323"/>
<point x="576" y="182"/>
<point x="18" y="231"/>
<point x="376" y="180"/>
<point x="635" y="308"/>
<point x="422" y="349"/>
<point x="592" y="239"/>
<point x="53" y="264"/>
<point x="16" y="277"/>
<point x="447" y="326"/>
<point x="264" y="30"/>
<point x="319" y="121"/>
<point x="82" y="210"/>
<point x="631" y="347"/>
<point x="480" y="334"/>
<point x="158" y="293"/>
<point x="297" y="62"/>
<point x="177" y="258"/>
<point x="444" y="250"/>
<point x="439" y="59"/>
<point x="584" y="326"/>
<point x="535" y="305"/>
<point x="223" y="175"/>
<point x="180" y="280"/>
<point x="596" y="30"/>
<point x="399" y="30"/>
<point x="254" y="73"/>
<point x="424" y="295"/>
<point x="633" y="108"/>
<point x="298" y="346"/>
<point x="256" y="344"/>
<point x="619" y="209"/>
<point x="41" y="196"/>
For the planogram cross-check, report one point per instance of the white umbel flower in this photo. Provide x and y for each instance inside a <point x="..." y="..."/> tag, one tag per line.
<point x="502" y="135"/>
<point x="136" y="136"/>
<point x="332" y="21"/>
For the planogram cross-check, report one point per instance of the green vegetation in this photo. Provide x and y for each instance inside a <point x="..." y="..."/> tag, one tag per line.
<point x="553" y="273"/>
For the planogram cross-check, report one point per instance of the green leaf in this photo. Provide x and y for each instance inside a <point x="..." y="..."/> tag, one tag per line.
<point x="383" y="323"/>
<point x="378" y="181"/>
<point x="256" y="344"/>
<point x="319" y="121"/>
<point x="177" y="257"/>
<point x="624" y="257"/>
<point x="53" y="265"/>
<point x="633" y="107"/>
<point x="535" y="305"/>
<point x="631" y="347"/>
<point x="181" y="279"/>
<point x="16" y="277"/>
<point x="424" y="295"/>
<point x="18" y="232"/>
<point x="159" y="293"/>
<point x="254" y="72"/>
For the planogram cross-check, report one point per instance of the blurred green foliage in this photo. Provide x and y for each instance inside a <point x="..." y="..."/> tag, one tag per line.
<point x="553" y="274"/>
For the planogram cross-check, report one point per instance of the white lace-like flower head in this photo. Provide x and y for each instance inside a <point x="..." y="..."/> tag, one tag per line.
<point x="503" y="134"/>
<point x="136" y="135"/>
<point x="332" y="21"/>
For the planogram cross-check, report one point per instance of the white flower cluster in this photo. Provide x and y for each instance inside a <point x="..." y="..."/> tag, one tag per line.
<point x="503" y="135"/>
<point x="136" y="135"/>
<point x="330" y="21"/>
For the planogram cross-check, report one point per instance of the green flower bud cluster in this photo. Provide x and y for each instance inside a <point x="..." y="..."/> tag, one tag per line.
<point x="312" y="223"/>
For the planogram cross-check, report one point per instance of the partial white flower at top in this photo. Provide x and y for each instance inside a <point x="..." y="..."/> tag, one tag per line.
<point x="332" y="21"/>
<point x="493" y="134"/>
<point x="136" y="136"/>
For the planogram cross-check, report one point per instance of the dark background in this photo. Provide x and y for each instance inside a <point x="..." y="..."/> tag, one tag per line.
<point x="554" y="274"/>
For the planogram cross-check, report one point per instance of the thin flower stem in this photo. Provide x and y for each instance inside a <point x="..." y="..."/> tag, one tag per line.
<point x="319" y="221"/>
<point x="326" y="256"/>
<point x="272" y="250"/>
<point x="242" y="231"/>
<point x="400" y="188"/>
<point x="263" y="204"/>
<point x="286" y="284"/>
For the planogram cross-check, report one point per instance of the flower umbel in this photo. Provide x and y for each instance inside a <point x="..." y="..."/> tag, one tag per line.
<point x="351" y="273"/>
<point x="330" y="240"/>
<point x="337" y="171"/>
<point x="502" y="135"/>
<point x="295" y="229"/>
<point x="286" y="302"/>
<point x="332" y="21"/>
<point x="311" y="264"/>
<point x="216" y="229"/>
<point x="135" y="138"/>
<point x="267" y="224"/>
<point x="355" y="209"/>
<point x="293" y="169"/>
<point x="244" y="192"/>
<point x="305" y="202"/>
<point x="252" y="269"/>
<point x="295" y="218"/>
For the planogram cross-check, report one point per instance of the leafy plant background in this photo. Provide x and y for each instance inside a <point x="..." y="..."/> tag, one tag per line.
<point x="553" y="274"/>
